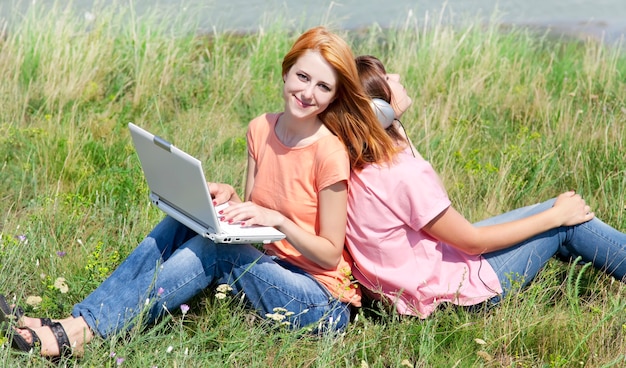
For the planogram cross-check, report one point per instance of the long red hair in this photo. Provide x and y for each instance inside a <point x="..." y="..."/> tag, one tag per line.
<point x="350" y="116"/>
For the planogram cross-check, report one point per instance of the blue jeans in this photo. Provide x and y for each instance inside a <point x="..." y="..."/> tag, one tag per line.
<point x="173" y="264"/>
<point x="594" y="241"/>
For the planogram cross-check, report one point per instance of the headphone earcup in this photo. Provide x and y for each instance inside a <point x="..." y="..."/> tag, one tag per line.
<point x="384" y="112"/>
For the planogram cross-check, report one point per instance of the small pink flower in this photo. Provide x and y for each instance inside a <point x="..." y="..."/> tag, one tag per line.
<point x="160" y="291"/>
<point x="112" y="354"/>
<point x="61" y="253"/>
<point x="184" y="308"/>
<point x="119" y="361"/>
<point x="21" y="238"/>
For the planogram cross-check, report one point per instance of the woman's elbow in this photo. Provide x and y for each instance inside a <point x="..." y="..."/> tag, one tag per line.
<point x="473" y="248"/>
<point x="330" y="263"/>
<point x="331" y="259"/>
<point x="474" y="251"/>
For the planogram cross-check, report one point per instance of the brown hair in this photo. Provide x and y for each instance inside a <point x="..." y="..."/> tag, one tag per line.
<point x="373" y="78"/>
<point x="350" y="116"/>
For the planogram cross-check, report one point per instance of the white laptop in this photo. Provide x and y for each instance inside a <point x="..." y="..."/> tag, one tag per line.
<point x="179" y="188"/>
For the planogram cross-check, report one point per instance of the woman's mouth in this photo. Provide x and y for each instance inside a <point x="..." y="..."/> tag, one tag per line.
<point x="302" y="103"/>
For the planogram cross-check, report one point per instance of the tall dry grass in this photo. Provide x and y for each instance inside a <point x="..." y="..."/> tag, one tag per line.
<point x="507" y="117"/>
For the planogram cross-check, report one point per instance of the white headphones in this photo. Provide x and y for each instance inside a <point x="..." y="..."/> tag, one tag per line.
<point x="384" y="112"/>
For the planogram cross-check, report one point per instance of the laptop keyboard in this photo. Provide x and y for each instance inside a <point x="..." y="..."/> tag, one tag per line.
<point x="236" y="228"/>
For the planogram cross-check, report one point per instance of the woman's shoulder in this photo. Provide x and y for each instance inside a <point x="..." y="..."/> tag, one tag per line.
<point x="267" y="119"/>
<point x="330" y="147"/>
<point x="404" y="165"/>
<point x="262" y="126"/>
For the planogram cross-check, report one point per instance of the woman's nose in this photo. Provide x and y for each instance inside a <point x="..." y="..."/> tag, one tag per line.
<point x="308" y="91"/>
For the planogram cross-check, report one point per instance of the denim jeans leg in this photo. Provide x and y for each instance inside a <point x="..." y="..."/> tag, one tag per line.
<point x="173" y="264"/>
<point x="269" y="284"/>
<point x="112" y="306"/>
<point x="597" y="243"/>
<point x="594" y="241"/>
<point x="519" y="264"/>
<point x="516" y="266"/>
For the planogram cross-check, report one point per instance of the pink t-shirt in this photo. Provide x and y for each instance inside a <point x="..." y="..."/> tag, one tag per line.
<point x="387" y="208"/>
<point x="288" y="180"/>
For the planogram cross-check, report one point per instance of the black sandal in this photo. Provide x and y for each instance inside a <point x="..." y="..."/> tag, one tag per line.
<point x="13" y="314"/>
<point x="18" y="342"/>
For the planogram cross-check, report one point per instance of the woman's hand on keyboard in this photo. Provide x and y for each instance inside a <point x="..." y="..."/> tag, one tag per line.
<point x="249" y="214"/>
<point x="222" y="193"/>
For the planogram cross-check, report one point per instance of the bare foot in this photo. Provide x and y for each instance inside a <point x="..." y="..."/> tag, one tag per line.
<point x="49" y="346"/>
<point x="30" y="322"/>
<point x="24" y="321"/>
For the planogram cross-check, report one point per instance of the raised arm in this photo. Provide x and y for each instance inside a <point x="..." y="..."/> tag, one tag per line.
<point x="452" y="228"/>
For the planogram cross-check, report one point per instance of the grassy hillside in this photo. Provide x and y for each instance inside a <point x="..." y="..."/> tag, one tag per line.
<point x="507" y="117"/>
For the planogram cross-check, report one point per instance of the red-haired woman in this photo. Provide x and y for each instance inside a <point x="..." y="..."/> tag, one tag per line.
<point x="297" y="177"/>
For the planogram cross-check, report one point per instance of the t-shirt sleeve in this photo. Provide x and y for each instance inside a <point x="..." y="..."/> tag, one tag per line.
<point x="254" y="132"/>
<point x="418" y="196"/>
<point x="332" y="165"/>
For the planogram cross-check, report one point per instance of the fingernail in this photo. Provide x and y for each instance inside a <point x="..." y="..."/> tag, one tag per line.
<point x="221" y="212"/>
<point x="243" y="224"/>
<point x="215" y="203"/>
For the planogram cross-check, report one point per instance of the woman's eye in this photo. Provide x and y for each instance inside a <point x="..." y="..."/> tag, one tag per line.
<point x="302" y="77"/>
<point x="325" y="88"/>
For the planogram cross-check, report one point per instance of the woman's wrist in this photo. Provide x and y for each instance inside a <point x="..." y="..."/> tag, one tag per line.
<point x="280" y="220"/>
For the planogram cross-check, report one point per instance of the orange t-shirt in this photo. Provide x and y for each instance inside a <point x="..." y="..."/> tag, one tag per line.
<point x="288" y="180"/>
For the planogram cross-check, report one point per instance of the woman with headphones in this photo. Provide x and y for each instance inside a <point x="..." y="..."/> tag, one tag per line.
<point x="412" y="249"/>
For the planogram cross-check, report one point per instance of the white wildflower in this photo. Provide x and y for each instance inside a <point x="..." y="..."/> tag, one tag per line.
<point x="224" y="288"/>
<point x="275" y="316"/>
<point x="33" y="300"/>
<point x="61" y="284"/>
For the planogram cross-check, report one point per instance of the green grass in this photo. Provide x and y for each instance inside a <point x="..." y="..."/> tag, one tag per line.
<point x="507" y="117"/>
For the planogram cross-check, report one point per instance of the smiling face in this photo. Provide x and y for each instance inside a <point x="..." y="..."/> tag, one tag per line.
<point x="400" y="100"/>
<point x="310" y="86"/>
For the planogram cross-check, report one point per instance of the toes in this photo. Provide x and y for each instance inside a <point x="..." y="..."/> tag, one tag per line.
<point x="25" y="333"/>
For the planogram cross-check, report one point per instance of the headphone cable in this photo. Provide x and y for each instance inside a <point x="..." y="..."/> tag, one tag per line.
<point x="406" y="135"/>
